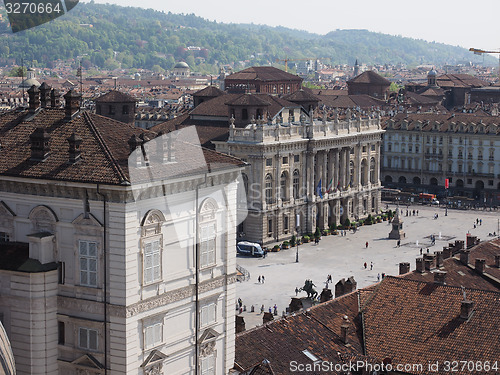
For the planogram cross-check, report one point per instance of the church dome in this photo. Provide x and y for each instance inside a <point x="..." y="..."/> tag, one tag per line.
<point x="181" y="65"/>
<point x="432" y="73"/>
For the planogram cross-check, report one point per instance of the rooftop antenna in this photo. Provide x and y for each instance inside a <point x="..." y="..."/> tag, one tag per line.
<point x="79" y="74"/>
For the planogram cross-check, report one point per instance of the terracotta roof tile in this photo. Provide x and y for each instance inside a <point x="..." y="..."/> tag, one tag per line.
<point x="370" y="77"/>
<point x="263" y="73"/>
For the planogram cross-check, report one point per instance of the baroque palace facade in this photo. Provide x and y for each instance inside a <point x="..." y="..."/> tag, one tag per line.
<point x="306" y="174"/>
<point x="117" y="253"/>
<point x="422" y="150"/>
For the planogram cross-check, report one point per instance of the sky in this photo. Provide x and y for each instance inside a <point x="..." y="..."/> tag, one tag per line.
<point x="456" y="22"/>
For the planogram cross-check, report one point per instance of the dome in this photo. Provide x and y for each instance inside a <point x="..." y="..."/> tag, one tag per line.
<point x="181" y="65"/>
<point x="432" y="73"/>
<point x="27" y="83"/>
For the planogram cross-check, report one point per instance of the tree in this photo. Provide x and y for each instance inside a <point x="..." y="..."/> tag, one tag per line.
<point x="18" y="71"/>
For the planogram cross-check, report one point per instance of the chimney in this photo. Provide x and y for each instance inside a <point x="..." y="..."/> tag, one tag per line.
<point x="44" y="95"/>
<point x="326" y="295"/>
<point x="471" y="241"/>
<point x="268" y="317"/>
<point x="344" y="329"/>
<point x="466" y="309"/>
<point x="240" y="324"/>
<point x="55" y="98"/>
<point x="420" y="265"/>
<point x="497" y="261"/>
<point x="428" y="264"/>
<point x="40" y="148"/>
<point x="480" y="265"/>
<point x="464" y="256"/>
<point x="440" y="277"/>
<point x="438" y="255"/>
<point x="404" y="267"/>
<point x="447" y="252"/>
<point x="74" y="148"/>
<point x="34" y="99"/>
<point x="72" y="105"/>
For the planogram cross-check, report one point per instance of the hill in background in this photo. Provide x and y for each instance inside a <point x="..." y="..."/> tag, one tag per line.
<point x="112" y="36"/>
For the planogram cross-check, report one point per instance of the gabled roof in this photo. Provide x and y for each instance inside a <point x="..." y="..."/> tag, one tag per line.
<point x="370" y="77"/>
<point x="115" y="96"/>
<point x="209" y="91"/>
<point x="408" y="321"/>
<point x="301" y="96"/>
<point x="262" y="73"/>
<point x="248" y="100"/>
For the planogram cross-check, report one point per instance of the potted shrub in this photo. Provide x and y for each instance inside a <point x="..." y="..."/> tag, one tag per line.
<point x="286" y="245"/>
<point x="305" y="238"/>
<point x="276" y="248"/>
<point x="347" y="224"/>
<point x="335" y="232"/>
<point x="325" y="232"/>
<point x="293" y="241"/>
<point x="317" y="233"/>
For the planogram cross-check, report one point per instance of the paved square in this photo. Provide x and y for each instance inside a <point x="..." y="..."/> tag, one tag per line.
<point x="345" y="256"/>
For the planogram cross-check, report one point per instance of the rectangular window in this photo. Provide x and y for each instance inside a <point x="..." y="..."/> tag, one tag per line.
<point x="87" y="339"/>
<point x="285" y="159"/>
<point x="269" y="162"/>
<point x="296" y="158"/>
<point x="88" y="263"/>
<point x="152" y="261"/>
<point x="153" y="335"/>
<point x="490" y="182"/>
<point x="207" y="245"/>
<point x="373" y="147"/>
<point x="207" y="314"/>
<point x="60" y="333"/>
<point x="285" y="223"/>
<point x="208" y="365"/>
<point x="61" y="272"/>
<point x="4" y="237"/>
<point x="125" y="110"/>
<point x="270" y="227"/>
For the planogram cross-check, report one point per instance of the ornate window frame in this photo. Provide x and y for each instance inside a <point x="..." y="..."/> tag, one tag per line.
<point x="151" y="243"/>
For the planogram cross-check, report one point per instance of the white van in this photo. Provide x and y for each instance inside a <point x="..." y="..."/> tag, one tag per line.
<point x="249" y="248"/>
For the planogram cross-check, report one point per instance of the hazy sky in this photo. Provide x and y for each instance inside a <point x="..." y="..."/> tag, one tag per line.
<point x="456" y="22"/>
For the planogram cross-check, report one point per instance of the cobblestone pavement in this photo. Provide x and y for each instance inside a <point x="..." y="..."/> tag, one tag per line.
<point x="344" y="256"/>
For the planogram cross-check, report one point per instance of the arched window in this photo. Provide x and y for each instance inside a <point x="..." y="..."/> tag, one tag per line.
<point x="283" y="186"/>
<point x="434" y="181"/>
<point x="152" y="246"/>
<point x="388" y="179"/>
<point x="372" y="170"/>
<point x="402" y="180"/>
<point x="208" y="232"/>
<point x="296" y="184"/>
<point x="269" y="189"/>
<point x="416" y="180"/>
<point x="364" y="172"/>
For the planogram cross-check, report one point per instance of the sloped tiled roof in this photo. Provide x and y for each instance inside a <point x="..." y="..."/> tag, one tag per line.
<point x="248" y="100"/>
<point x="411" y="322"/>
<point x="370" y="77"/>
<point x="209" y="91"/>
<point x="115" y="96"/>
<point x="351" y="101"/>
<point x="262" y="73"/>
<point x="301" y="96"/>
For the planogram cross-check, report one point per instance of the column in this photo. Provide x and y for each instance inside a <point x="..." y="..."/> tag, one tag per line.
<point x="347" y="166"/>
<point x="357" y="165"/>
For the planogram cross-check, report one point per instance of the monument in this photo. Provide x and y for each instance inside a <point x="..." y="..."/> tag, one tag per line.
<point x="397" y="227"/>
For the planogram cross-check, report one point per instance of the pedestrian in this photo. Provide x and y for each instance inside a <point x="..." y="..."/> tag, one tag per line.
<point x="265" y="253"/>
<point x="275" y="309"/>
<point x="258" y="279"/>
<point x="262" y="309"/>
<point x="474" y="226"/>
<point x="417" y="212"/>
<point x="296" y="291"/>
<point x="399" y="243"/>
<point x="240" y="302"/>
<point x="270" y="311"/>
<point x="480" y="221"/>
<point x="383" y="275"/>
<point x="365" y="265"/>
<point x="477" y="221"/>
<point x="263" y="279"/>
<point x="427" y="250"/>
<point x="420" y="251"/>
<point x="378" y="277"/>
<point x="371" y="266"/>
<point x="366" y="244"/>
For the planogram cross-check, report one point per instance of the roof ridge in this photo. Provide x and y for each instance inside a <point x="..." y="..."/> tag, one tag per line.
<point x="104" y="147"/>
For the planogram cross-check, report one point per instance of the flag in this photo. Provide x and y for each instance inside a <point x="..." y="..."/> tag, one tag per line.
<point x="446" y="183"/>
<point x="338" y="185"/>
<point x="318" y="190"/>
<point x="330" y="186"/>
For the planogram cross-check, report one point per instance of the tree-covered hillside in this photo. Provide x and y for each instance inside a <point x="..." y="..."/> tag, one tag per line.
<point x="111" y="36"/>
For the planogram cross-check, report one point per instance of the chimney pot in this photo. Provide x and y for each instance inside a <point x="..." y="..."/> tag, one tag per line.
<point x="439" y="258"/>
<point x="344" y="330"/>
<point x="480" y="265"/>
<point x="44" y="95"/>
<point x="34" y="99"/>
<point x="420" y="265"/>
<point x="74" y="148"/>
<point x="404" y="267"/>
<point x="440" y="277"/>
<point x="72" y="104"/>
<point x="39" y="144"/>
<point x="464" y="257"/>
<point x="55" y="98"/>
<point x="466" y="309"/>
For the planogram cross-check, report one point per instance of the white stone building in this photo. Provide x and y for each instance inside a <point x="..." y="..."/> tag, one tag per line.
<point x="303" y="175"/>
<point x="101" y="272"/>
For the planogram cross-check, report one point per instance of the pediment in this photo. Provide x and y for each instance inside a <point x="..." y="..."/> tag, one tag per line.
<point x="5" y="210"/>
<point x="89" y="221"/>
<point x="208" y="335"/>
<point x="88" y="361"/>
<point x="153" y="358"/>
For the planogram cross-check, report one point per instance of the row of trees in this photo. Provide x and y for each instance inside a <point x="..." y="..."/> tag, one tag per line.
<point x="110" y="36"/>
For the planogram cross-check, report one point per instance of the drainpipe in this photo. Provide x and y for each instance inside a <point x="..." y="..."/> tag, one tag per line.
<point x="105" y="281"/>
<point x="197" y="279"/>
